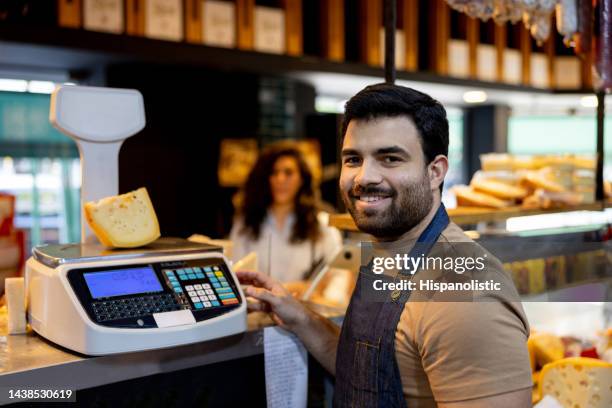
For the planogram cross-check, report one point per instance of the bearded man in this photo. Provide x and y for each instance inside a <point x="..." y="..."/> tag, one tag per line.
<point x="396" y="352"/>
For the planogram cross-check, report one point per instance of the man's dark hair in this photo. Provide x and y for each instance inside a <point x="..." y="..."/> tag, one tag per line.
<point x="386" y="100"/>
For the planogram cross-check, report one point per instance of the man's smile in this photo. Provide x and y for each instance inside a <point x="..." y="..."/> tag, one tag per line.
<point x="370" y="201"/>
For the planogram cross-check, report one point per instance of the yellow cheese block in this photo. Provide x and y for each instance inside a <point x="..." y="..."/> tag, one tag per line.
<point x="124" y="221"/>
<point x="546" y="347"/>
<point x="578" y="382"/>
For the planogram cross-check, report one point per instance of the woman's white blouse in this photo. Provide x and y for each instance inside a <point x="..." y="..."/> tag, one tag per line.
<point x="277" y="256"/>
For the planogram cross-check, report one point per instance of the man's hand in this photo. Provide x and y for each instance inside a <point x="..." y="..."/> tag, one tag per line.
<point x="319" y="335"/>
<point x="268" y="295"/>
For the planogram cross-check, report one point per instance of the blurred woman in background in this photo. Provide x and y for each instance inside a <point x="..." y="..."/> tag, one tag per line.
<point x="278" y="217"/>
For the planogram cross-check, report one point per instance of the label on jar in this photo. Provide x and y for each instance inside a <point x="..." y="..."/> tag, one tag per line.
<point x="219" y="28"/>
<point x="269" y="30"/>
<point x="164" y="19"/>
<point x="103" y="15"/>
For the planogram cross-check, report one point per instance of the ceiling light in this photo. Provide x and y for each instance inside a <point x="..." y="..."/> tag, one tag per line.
<point x="475" y="96"/>
<point x="13" y="85"/>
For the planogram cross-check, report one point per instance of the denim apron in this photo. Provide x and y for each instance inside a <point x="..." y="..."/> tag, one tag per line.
<point x="367" y="374"/>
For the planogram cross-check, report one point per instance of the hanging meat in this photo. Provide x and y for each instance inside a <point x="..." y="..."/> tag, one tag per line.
<point x="536" y="14"/>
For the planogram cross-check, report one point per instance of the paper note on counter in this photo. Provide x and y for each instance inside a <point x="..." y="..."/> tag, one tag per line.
<point x="15" y="303"/>
<point x="286" y="367"/>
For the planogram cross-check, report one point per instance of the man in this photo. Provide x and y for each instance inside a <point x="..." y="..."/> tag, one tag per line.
<point x="399" y="352"/>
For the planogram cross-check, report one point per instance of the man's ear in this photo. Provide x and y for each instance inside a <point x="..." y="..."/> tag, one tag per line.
<point x="437" y="170"/>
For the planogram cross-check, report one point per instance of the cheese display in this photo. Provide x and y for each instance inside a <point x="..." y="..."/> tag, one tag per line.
<point x="124" y="221"/>
<point x="530" y="182"/>
<point x="578" y="382"/>
<point x="15" y="304"/>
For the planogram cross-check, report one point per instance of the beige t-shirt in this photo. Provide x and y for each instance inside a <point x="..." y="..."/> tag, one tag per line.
<point x="457" y="351"/>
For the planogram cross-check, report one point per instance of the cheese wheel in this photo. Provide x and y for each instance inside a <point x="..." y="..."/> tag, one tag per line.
<point x="578" y="382"/>
<point x="466" y="196"/>
<point x="498" y="189"/>
<point x="15" y="305"/>
<point x="124" y="221"/>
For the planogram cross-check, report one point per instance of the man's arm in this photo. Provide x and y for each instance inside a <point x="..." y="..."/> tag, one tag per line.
<point x="319" y="335"/>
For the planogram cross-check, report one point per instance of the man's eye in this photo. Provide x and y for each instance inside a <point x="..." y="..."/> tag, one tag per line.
<point x="391" y="159"/>
<point x="351" y="160"/>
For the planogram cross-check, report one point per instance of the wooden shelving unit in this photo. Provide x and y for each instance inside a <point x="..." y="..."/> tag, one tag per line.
<point x="48" y="47"/>
<point x="474" y="215"/>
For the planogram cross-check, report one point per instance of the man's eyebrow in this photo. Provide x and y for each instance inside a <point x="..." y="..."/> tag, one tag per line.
<point x="392" y="150"/>
<point x="349" y="152"/>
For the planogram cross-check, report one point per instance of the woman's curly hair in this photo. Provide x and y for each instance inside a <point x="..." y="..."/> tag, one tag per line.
<point x="256" y="196"/>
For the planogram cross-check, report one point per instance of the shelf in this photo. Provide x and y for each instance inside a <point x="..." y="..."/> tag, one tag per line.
<point x="49" y="47"/>
<point x="474" y="215"/>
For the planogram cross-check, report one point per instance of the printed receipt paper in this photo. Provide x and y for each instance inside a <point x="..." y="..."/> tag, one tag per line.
<point x="286" y="366"/>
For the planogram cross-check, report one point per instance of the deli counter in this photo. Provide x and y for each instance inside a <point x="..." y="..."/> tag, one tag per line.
<point x="569" y="264"/>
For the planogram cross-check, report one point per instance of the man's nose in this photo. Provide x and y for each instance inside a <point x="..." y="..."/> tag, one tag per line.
<point x="368" y="174"/>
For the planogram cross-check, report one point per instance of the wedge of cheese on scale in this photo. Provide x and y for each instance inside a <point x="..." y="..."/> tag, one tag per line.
<point x="124" y="221"/>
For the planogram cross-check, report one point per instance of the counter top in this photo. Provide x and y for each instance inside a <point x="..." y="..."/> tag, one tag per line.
<point x="28" y="360"/>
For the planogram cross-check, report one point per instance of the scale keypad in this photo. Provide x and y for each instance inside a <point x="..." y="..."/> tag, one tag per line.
<point x="135" y="307"/>
<point x="206" y="287"/>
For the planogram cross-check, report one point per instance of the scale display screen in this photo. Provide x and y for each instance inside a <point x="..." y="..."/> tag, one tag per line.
<point x="120" y="282"/>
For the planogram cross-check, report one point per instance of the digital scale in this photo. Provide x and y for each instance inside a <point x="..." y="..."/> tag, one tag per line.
<point x="98" y="301"/>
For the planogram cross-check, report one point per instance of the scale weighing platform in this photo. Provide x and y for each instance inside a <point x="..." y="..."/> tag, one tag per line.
<point x="98" y="301"/>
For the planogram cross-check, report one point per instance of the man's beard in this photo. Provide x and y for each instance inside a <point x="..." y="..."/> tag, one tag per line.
<point x="408" y="207"/>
